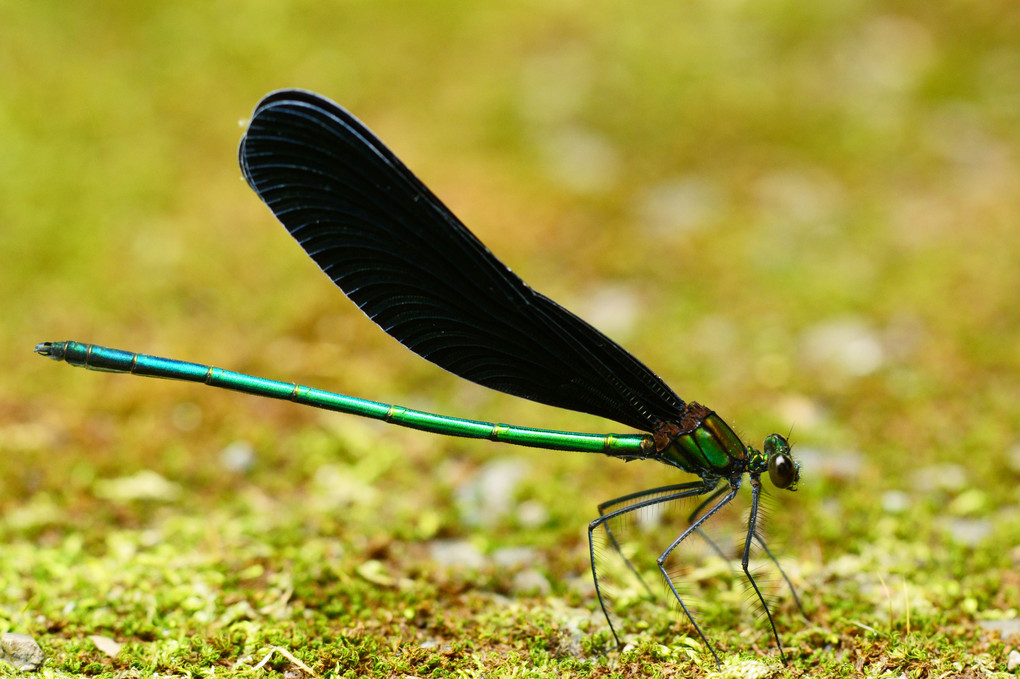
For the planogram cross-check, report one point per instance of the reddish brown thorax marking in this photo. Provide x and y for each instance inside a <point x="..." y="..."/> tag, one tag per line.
<point x="690" y="419"/>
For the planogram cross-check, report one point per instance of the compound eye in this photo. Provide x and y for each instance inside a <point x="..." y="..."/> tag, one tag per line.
<point x="782" y="471"/>
<point x="775" y="445"/>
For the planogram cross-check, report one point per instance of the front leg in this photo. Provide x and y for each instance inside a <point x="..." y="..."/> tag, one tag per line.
<point x="661" y="561"/>
<point x="752" y="520"/>
<point x="644" y="499"/>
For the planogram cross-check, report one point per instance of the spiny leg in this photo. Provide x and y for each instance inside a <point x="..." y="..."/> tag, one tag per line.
<point x="751" y="521"/>
<point x="793" y="591"/>
<point x="682" y="491"/>
<point x="694" y="515"/>
<point x="661" y="561"/>
<point x="760" y="540"/>
<point x="664" y="490"/>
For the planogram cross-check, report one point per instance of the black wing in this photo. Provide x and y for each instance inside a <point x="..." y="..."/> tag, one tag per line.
<point x="414" y="269"/>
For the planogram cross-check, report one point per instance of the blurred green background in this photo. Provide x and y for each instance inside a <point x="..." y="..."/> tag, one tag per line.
<point x="802" y="214"/>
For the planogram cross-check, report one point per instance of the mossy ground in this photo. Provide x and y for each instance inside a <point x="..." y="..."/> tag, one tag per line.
<point x="811" y="214"/>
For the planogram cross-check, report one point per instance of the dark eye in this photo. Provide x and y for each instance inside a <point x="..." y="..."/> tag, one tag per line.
<point x="782" y="471"/>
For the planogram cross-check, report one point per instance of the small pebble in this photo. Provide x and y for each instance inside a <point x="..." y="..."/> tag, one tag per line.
<point x="532" y="514"/>
<point x="580" y="159"/>
<point x="848" y="345"/>
<point x="1006" y="628"/>
<point x="460" y="553"/>
<point x="106" y="645"/>
<point x="946" y="477"/>
<point x="968" y="532"/>
<point x="238" y="456"/>
<point x="680" y="205"/>
<point x="1013" y="661"/>
<point x="530" y="581"/>
<point x="21" y="652"/>
<point x="614" y="310"/>
<point x="514" y="557"/>
<point x="143" y="485"/>
<point x="801" y="411"/>
<point x="489" y="495"/>
<point x="895" y="501"/>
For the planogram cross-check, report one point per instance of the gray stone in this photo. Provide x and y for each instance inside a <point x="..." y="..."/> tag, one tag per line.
<point x="21" y="652"/>
<point x="1006" y="628"/>
<point x="514" y="557"/>
<point x="456" y="553"/>
<point x="488" y="497"/>
<point x="238" y="456"/>
<point x="848" y="345"/>
<point x="530" y="581"/>
<point x="968" y="532"/>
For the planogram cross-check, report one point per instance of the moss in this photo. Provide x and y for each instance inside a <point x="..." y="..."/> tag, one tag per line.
<point x="839" y="168"/>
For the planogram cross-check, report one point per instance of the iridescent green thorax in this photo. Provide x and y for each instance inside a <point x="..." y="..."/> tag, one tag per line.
<point x="701" y="443"/>
<point x="757" y="463"/>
